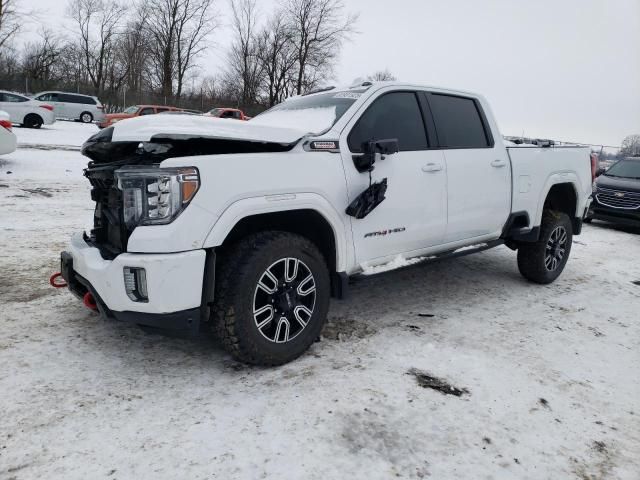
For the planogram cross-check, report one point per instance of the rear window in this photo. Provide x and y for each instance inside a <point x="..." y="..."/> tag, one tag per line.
<point x="12" y="97"/>
<point x="458" y="122"/>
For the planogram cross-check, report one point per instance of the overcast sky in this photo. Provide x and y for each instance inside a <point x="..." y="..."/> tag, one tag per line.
<point x="563" y="69"/>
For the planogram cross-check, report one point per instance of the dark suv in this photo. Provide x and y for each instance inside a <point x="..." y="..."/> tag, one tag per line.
<point x="616" y="194"/>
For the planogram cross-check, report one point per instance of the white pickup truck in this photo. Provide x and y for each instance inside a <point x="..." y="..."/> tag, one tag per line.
<point x="248" y="228"/>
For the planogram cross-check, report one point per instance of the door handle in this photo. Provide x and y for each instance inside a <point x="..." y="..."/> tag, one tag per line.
<point x="498" y="163"/>
<point x="432" y="167"/>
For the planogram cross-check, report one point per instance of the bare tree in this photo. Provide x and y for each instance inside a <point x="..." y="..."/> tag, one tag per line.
<point x="631" y="146"/>
<point x="9" y="20"/>
<point x="178" y="30"/>
<point x="99" y="23"/>
<point x="41" y="60"/>
<point x="382" y="76"/>
<point x="319" y="28"/>
<point x="133" y="49"/>
<point x="278" y="57"/>
<point x="244" y="74"/>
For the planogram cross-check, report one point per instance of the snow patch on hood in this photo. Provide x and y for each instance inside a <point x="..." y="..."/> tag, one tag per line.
<point x="142" y="129"/>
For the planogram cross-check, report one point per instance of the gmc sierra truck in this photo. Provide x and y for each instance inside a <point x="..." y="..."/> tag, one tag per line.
<point x="248" y="228"/>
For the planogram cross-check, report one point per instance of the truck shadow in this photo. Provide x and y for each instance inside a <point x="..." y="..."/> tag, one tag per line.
<point x="421" y="291"/>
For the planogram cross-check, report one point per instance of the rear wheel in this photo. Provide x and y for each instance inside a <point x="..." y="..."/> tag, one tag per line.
<point x="272" y="298"/>
<point x="543" y="261"/>
<point x="33" y="121"/>
<point x="86" y="117"/>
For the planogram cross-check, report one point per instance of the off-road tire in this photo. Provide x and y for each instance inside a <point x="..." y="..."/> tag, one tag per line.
<point x="33" y="121"/>
<point x="239" y="270"/>
<point x="86" y="117"/>
<point x="532" y="257"/>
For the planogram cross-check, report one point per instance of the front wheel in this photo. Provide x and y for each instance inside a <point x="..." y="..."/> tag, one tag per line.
<point x="272" y="298"/>
<point x="543" y="261"/>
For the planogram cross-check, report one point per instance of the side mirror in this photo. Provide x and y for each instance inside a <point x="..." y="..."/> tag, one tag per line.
<point x="372" y="150"/>
<point x="600" y="171"/>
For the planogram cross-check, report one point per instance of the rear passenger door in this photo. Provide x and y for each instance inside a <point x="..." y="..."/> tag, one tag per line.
<point x="414" y="214"/>
<point x="478" y="172"/>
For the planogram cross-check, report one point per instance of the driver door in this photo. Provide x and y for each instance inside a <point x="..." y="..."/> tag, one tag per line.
<point x="414" y="214"/>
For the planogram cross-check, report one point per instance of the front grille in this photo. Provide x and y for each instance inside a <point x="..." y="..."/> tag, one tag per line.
<point x="109" y="233"/>
<point x="621" y="199"/>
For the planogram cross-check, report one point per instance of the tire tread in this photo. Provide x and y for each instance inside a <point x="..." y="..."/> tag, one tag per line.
<point x="235" y="262"/>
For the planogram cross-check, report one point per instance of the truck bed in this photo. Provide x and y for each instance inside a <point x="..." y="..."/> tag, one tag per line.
<point x="534" y="170"/>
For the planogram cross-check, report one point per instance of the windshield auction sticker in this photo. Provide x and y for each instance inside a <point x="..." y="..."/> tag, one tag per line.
<point x="352" y="95"/>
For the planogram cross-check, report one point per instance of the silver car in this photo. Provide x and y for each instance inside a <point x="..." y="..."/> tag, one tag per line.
<point x="73" y="106"/>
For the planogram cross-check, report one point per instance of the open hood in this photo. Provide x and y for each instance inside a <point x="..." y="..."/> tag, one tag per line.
<point x="183" y="127"/>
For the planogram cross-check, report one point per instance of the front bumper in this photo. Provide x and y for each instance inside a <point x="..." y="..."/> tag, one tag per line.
<point x="174" y="285"/>
<point x="614" y="215"/>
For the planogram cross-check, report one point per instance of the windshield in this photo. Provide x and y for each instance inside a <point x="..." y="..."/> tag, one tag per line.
<point x="131" y="110"/>
<point x="625" y="169"/>
<point x="216" y="112"/>
<point x="313" y="114"/>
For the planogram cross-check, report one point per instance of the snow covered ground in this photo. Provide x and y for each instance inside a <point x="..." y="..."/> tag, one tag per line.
<point x="548" y="376"/>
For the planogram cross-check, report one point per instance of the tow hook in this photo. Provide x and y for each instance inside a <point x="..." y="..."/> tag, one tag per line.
<point x="89" y="301"/>
<point x="55" y="283"/>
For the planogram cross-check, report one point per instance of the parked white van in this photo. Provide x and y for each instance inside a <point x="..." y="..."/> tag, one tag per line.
<point x="73" y="106"/>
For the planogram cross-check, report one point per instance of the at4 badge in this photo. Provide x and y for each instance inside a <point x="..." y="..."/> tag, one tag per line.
<point x="383" y="233"/>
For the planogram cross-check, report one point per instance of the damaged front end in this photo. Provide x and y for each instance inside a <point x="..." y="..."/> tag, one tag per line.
<point x="130" y="189"/>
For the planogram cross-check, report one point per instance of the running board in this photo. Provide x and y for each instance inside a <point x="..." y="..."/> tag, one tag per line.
<point x="400" y="263"/>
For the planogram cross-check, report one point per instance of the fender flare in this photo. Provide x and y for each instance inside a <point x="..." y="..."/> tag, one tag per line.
<point x="557" y="179"/>
<point x="251" y="206"/>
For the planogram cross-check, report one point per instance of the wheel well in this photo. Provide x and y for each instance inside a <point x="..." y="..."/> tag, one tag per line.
<point x="32" y="115"/>
<point x="308" y="223"/>
<point x="562" y="197"/>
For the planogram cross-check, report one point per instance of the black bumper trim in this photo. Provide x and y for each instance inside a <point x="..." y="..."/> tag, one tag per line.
<point x="629" y="221"/>
<point x="182" y="323"/>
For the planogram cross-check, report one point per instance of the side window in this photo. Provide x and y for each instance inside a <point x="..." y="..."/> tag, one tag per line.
<point x="236" y="115"/>
<point x="10" y="97"/>
<point x="393" y="115"/>
<point x="160" y="109"/>
<point x="458" y="122"/>
<point x="79" y="99"/>
<point x="147" y="111"/>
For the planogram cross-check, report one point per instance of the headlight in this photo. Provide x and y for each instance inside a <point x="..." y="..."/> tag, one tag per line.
<point x="155" y="196"/>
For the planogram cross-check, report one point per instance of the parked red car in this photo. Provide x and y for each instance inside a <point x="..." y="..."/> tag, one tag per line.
<point x="135" y="111"/>
<point x="233" y="113"/>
